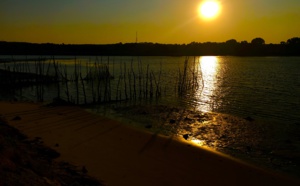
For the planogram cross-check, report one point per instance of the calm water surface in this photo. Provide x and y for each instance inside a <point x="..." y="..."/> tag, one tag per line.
<point x="261" y="87"/>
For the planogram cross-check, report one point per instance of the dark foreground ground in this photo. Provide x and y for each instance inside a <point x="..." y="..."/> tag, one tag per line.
<point x="29" y="162"/>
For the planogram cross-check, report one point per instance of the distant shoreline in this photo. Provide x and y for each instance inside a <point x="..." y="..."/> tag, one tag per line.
<point x="228" y="48"/>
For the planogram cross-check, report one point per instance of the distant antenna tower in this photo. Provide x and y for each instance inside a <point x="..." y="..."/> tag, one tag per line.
<point x="136" y="37"/>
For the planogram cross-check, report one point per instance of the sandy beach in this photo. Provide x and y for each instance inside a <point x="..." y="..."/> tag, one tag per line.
<point x="119" y="154"/>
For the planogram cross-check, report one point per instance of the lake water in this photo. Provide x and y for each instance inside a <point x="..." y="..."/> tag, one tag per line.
<point x="261" y="87"/>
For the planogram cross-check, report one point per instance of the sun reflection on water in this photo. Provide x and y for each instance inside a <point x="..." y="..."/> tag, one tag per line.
<point x="198" y="142"/>
<point x="209" y="68"/>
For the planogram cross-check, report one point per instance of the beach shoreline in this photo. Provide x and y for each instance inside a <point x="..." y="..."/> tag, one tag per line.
<point x="121" y="155"/>
<point x="267" y="144"/>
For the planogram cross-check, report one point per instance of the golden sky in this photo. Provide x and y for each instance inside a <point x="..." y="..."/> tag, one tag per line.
<point x="158" y="21"/>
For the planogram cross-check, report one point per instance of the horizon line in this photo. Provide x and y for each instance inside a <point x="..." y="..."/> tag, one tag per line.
<point x="134" y="42"/>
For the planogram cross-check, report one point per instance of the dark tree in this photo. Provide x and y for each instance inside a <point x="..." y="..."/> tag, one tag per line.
<point x="258" y="41"/>
<point x="231" y="42"/>
<point x="293" y="41"/>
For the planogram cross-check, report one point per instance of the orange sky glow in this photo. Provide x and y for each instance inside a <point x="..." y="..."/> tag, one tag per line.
<point x="168" y="21"/>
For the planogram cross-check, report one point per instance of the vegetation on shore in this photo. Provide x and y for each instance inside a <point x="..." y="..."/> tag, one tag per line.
<point x="257" y="47"/>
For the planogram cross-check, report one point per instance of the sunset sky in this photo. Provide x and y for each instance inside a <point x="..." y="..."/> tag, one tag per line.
<point x="161" y="21"/>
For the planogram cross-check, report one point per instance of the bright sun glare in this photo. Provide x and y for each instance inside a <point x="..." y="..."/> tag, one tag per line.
<point x="209" y="9"/>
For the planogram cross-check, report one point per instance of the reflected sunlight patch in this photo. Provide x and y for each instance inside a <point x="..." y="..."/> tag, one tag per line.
<point x="198" y="142"/>
<point x="209" y="69"/>
<point x="208" y="64"/>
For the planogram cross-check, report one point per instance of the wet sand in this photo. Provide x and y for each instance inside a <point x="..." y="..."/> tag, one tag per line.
<point x="269" y="144"/>
<point x="121" y="155"/>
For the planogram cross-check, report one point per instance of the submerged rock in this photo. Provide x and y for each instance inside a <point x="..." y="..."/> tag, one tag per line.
<point x="172" y="121"/>
<point x="148" y="126"/>
<point x="249" y="119"/>
<point x="16" y="118"/>
<point x="185" y="136"/>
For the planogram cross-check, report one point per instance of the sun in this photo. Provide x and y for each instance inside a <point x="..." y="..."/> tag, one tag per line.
<point x="209" y="9"/>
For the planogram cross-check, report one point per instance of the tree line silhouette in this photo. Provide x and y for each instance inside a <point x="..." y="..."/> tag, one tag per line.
<point x="257" y="47"/>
